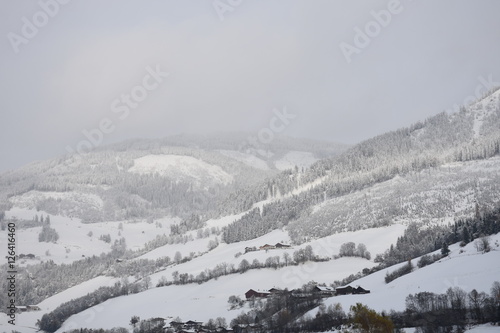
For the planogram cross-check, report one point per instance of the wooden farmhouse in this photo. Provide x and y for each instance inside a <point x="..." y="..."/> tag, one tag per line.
<point x="324" y="291"/>
<point x="350" y="290"/>
<point x="257" y="294"/>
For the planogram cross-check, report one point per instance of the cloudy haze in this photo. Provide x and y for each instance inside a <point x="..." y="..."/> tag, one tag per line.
<point x="224" y="65"/>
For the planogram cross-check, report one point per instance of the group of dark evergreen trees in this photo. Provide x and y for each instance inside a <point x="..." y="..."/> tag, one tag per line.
<point x="47" y="234"/>
<point x="418" y="241"/>
<point x="438" y="140"/>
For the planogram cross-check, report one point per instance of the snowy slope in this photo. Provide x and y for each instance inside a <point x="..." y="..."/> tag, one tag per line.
<point x="209" y="300"/>
<point x="25" y="322"/>
<point x="184" y="301"/>
<point x="468" y="270"/>
<point x="74" y="241"/>
<point x="249" y="159"/>
<point x="482" y="110"/>
<point x="289" y="160"/>
<point x="185" y="168"/>
<point x="376" y="240"/>
<point x="435" y="196"/>
<point x="301" y="159"/>
<point x="487" y="328"/>
<point x="25" y="200"/>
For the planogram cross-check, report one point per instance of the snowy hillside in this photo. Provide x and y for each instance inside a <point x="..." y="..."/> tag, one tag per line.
<point x="77" y="239"/>
<point x="294" y="159"/>
<point x="249" y="159"/>
<point x="433" y="172"/>
<point x="181" y="224"/>
<point x="183" y="300"/>
<point x="209" y="300"/>
<point x="174" y="176"/>
<point x="465" y="267"/>
<point x="182" y="168"/>
<point x="436" y="196"/>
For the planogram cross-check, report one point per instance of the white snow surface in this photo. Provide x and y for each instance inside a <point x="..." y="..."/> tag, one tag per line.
<point x="74" y="241"/>
<point x="209" y="300"/>
<point x="482" y="109"/>
<point x="246" y="158"/>
<point x="468" y="270"/>
<point x="486" y="328"/>
<point x="295" y="158"/>
<point x="184" y="168"/>
<point x="25" y="322"/>
<point x="27" y="199"/>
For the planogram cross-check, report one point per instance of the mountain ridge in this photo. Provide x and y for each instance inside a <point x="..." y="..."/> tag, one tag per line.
<point x="108" y="172"/>
<point x="426" y="176"/>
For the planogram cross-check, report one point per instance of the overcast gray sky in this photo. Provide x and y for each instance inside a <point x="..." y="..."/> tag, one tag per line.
<point x="348" y="70"/>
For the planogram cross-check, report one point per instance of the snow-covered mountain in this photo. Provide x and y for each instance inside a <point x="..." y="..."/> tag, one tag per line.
<point x="175" y="176"/>
<point x="433" y="171"/>
<point x="182" y="224"/>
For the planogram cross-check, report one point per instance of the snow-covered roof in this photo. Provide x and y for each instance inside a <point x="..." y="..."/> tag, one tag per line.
<point x="323" y="288"/>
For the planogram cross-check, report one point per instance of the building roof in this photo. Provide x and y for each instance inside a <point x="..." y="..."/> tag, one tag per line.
<point x="259" y="291"/>
<point x="323" y="288"/>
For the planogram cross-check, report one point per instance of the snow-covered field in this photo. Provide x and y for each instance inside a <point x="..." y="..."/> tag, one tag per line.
<point x="436" y="197"/>
<point x="468" y="270"/>
<point x="207" y="300"/>
<point x="482" y="109"/>
<point x="376" y="240"/>
<point x="290" y="160"/>
<point x="301" y="159"/>
<point x="249" y="159"/>
<point x="190" y="301"/>
<point x="25" y="322"/>
<point x="487" y="328"/>
<point x="201" y="302"/>
<point x="180" y="167"/>
<point x="27" y="199"/>
<point x="74" y="241"/>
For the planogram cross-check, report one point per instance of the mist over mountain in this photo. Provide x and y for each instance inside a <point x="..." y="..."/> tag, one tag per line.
<point x="178" y="175"/>
<point x="428" y="172"/>
<point x="230" y="166"/>
<point x="114" y="226"/>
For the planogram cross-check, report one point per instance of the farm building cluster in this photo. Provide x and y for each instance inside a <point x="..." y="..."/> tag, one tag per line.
<point x="321" y="291"/>
<point x="267" y="247"/>
<point x="198" y="327"/>
<point x="27" y="308"/>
